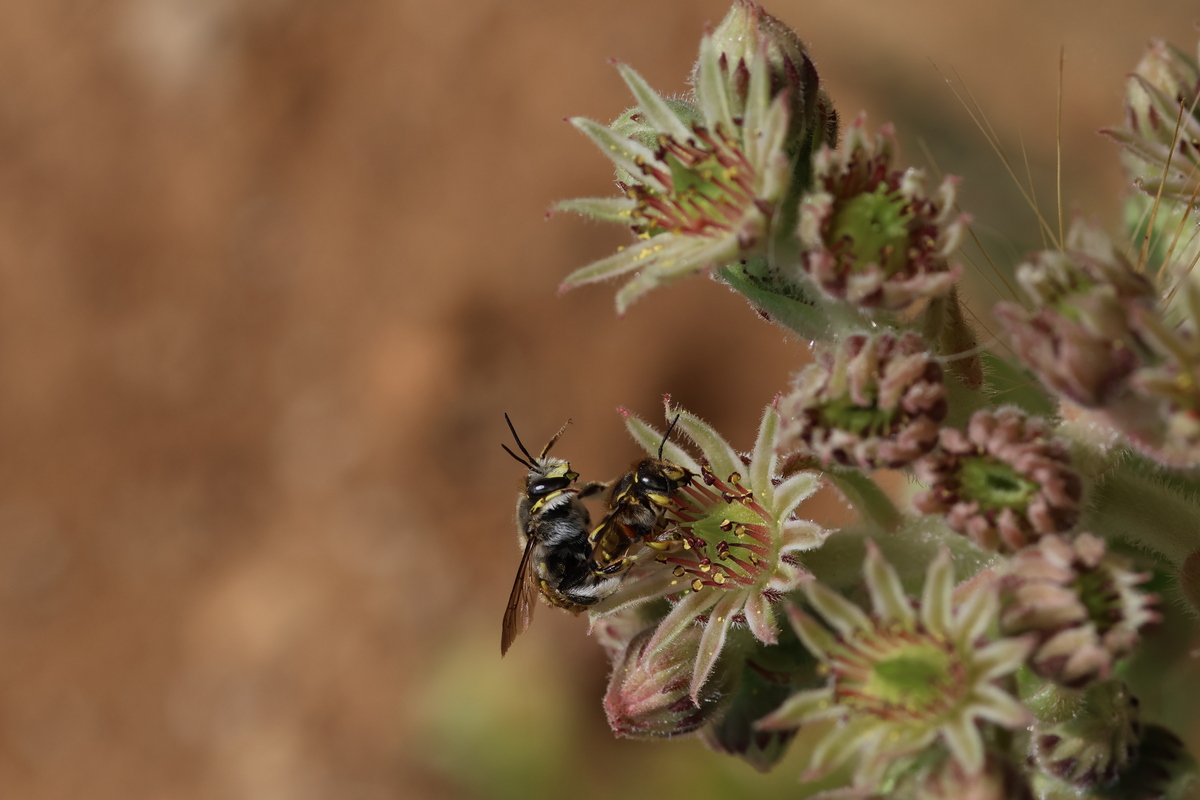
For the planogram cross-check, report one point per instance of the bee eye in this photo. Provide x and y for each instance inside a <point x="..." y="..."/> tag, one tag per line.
<point x="544" y="487"/>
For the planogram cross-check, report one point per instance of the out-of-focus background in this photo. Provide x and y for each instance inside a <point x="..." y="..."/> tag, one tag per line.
<point x="271" y="271"/>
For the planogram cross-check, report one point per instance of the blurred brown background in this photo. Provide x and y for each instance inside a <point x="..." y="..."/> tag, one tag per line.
<point x="271" y="271"/>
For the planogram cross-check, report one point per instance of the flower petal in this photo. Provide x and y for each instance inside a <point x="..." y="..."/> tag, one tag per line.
<point x="762" y="460"/>
<point x="623" y="152"/>
<point x="1002" y="657"/>
<point x="844" y="616"/>
<point x="605" y="209"/>
<point x="636" y="590"/>
<point x="760" y="616"/>
<point x="680" y="618"/>
<point x="650" y="440"/>
<point x="840" y="744"/>
<point x="710" y="88"/>
<point x="887" y="594"/>
<point x="635" y="256"/>
<point x="794" y="491"/>
<point x="979" y="609"/>
<point x="937" y="610"/>
<point x="658" y="114"/>
<point x="722" y="459"/>
<point x="800" y="708"/>
<point x="964" y="743"/>
<point x="713" y="639"/>
<point x="798" y="535"/>
<point x="817" y="640"/>
<point x="679" y="256"/>
<point x="758" y="97"/>
<point x="995" y="705"/>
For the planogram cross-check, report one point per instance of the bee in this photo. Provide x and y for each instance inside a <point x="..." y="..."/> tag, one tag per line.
<point x="552" y="524"/>
<point x="637" y="505"/>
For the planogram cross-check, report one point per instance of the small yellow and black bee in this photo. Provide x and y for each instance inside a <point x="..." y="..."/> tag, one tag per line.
<point x="552" y="526"/>
<point x="637" y="506"/>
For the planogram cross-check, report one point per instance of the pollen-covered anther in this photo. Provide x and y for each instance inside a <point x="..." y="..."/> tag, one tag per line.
<point x="869" y="401"/>
<point x="871" y="234"/>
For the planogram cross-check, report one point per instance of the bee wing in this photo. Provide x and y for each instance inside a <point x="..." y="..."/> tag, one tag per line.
<point x="521" y="601"/>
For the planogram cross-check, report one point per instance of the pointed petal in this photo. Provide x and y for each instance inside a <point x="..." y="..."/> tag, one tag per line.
<point x="936" y="599"/>
<point x="722" y="459"/>
<point x="605" y="209"/>
<point x="760" y="616"/>
<point x="712" y="641"/>
<point x="684" y="254"/>
<point x="1002" y="657"/>
<point x="650" y="439"/>
<point x="844" y="616"/>
<point x="817" y="640"/>
<point x="635" y="256"/>
<point x="964" y="743"/>
<point x="979" y="609"/>
<point x="654" y="107"/>
<point x="762" y="460"/>
<point x="798" y="535"/>
<point x="758" y="97"/>
<point x="633" y="593"/>
<point x="625" y="153"/>
<point x="794" y="491"/>
<point x="802" y="707"/>
<point x="710" y="89"/>
<point x="887" y="594"/>
<point x="773" y="164"/>
<point x="840" y="744"/>
<point x="995" y="705"/>
<point x="680" y="617"/>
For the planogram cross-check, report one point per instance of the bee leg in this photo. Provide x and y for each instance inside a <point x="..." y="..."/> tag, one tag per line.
<point x="592" y="488"/>
<point x="613" y="568"/>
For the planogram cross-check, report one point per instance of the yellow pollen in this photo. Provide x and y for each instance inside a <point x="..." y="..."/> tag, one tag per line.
<point x="697" y="584"/>
<point x="719" y="577"/>
<point x="703" y="567"/>
<point x="678" y="572"/>
<point x="620" y="248"/>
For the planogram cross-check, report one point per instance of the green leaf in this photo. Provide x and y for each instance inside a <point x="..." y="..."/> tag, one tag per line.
<point x="794" y="309"/>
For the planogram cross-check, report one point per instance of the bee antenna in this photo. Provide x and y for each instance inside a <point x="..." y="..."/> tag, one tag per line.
<point x="667" y="435"/>
<point x="518" y="438"/>
<point x="554" y="439"/>
<point x="524" y="463"/>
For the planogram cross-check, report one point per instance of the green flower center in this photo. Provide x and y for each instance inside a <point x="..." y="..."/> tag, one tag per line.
<point x="845" y="415"/>
<point x="994" y="484"/>
<point x="1095" y="592"/>
<point x="875" y="226"/>
<point x="912" y="677"/>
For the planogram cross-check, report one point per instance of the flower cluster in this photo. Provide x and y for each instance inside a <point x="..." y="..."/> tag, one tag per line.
<point x="1058" y="484"/>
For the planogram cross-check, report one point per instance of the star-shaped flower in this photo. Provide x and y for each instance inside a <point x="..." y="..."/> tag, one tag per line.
<point x="732" y="552"/>
<point x="703" y="181"/>
<point x="905" y="675"/>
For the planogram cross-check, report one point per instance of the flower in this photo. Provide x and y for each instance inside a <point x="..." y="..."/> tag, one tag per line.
<point x="702" y="181"/>
<point x="870" y="401"/>
<point x="1093" y="737"/>
<point x="1170" y="386"/>
<point x="1083" y="604"/>
<point x="748" y="29"/>
<point x="1079" y="340"/>
<point x="906" y="675"/>
<point x="648" y="695"/>
<point x="1003" y="482"/>
<point x="1165" y="83"/>
<point x="870" y="234"/>
<point x="734" y="542"/>
<point x="999" y="779"/>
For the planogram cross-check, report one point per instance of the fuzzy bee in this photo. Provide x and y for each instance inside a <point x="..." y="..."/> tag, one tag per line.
<point x="637" y="505"/>
<point x="552" y="525"/>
